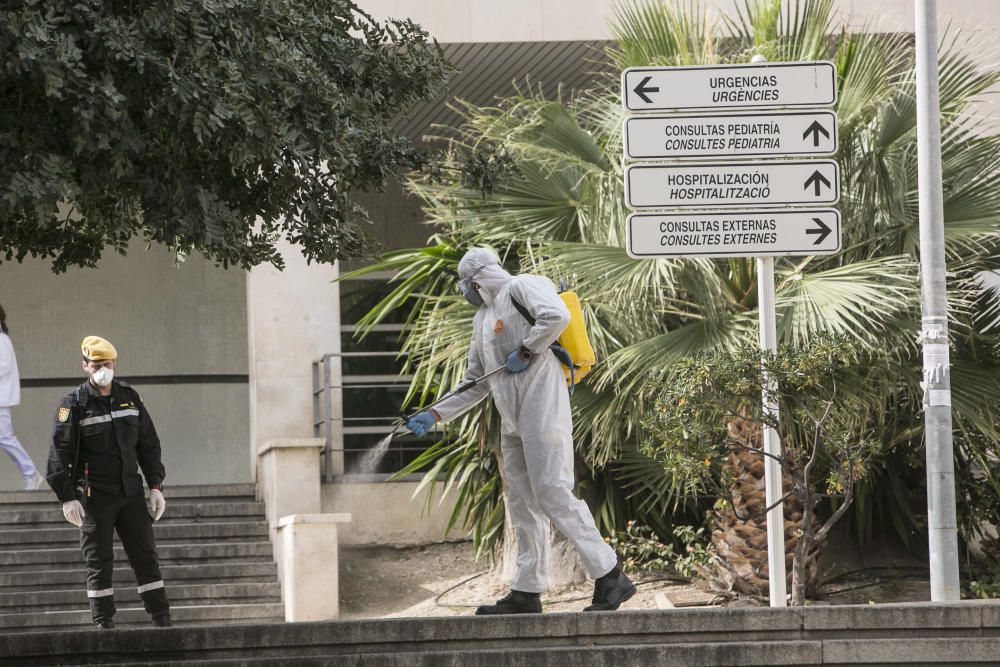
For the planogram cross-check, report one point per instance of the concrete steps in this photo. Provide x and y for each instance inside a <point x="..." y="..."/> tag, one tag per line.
<point x="215" y="556"/>
<point x="25" y="560"/>
<point x="136" y="616"/>
<point x="74" y="576"/>
<point x="959" y="634"/>
<point x="187" y="594"/>
<point x="181" y="511"/>
<point x="34" y="538"/>
<point x="201" y="493"/>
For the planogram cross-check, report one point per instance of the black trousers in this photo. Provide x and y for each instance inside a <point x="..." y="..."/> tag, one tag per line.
<point x="106" y="514"/>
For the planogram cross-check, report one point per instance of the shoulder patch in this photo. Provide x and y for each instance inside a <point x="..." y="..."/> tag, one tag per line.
<point x="63" y="415"/>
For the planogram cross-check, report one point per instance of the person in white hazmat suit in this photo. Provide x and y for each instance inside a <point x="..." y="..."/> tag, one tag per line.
<point x="536" y="429"/>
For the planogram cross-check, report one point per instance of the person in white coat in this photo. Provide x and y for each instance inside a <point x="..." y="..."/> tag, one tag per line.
<point x="536" y="429"/>
<point x="10" y="395"/>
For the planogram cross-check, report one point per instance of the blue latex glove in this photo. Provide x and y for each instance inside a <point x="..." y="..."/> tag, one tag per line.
<point x="421" y="422"/>
<point x="518" y="360"/>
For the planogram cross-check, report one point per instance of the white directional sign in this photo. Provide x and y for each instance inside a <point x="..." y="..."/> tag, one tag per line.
<point x="752" y="86"/>
<point x="725" y="184"/>
<point x="734" y="233"/>
<point x="730" y="135"/>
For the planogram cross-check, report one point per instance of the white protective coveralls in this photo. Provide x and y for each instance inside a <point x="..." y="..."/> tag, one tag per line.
<point x="10" y="395"/>
<point x="536" y="426"/>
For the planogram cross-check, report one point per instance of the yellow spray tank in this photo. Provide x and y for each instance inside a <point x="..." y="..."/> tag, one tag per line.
<point x="574" y="338"/>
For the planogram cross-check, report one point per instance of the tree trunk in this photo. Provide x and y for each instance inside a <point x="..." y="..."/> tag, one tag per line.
<point x="740" y="563"/>
<point x="804" y="568"/>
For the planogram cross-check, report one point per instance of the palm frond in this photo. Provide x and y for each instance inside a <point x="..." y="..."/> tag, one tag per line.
<point x="652" y="32"/>
<point x="861" y="301"/>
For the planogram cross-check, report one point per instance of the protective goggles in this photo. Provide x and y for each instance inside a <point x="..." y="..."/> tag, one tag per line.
<point x="465" y="284"/>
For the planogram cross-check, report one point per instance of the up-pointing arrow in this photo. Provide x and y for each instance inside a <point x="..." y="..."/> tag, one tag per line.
<point x="642" y="89"/>
<point x="823" y="231"/>
<point x="816" y="129"/>
<point x="816" y="179"/>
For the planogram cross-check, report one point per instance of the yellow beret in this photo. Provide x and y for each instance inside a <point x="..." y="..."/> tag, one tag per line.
<point x="95" y="348"/>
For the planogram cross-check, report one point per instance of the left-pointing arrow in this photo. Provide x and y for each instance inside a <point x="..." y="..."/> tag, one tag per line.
<point x="642" y="89"/>
<point x="823" y="230"/>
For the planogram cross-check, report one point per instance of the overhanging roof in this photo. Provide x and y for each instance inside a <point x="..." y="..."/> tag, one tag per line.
<point x="487" y="71"/>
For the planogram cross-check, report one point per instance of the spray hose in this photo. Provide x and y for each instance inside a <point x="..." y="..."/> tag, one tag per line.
<point x="462" y="388"/>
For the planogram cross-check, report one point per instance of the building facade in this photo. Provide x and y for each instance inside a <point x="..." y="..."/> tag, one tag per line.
<point x="225" y="358"/>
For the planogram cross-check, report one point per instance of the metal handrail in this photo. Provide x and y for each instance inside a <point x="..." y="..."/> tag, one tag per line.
<point x="329" y="422"/>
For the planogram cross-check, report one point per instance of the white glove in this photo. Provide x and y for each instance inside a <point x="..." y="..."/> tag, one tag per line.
<point x="73" y="511"/>
<point x="156" y="504"/>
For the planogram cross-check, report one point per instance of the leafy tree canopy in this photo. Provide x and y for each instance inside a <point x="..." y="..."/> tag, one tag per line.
<point x="210" y="125"/>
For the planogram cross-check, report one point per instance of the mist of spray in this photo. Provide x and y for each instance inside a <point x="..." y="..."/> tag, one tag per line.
<point x="373" y="457"/>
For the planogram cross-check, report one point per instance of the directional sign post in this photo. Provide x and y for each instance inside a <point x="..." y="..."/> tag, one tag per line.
<point x="707" y="166"/>
<point x="710" y="185"/>
<point x="753" y="86"/>
<point x="734" y="233"/>
<point x="772" y="134"/>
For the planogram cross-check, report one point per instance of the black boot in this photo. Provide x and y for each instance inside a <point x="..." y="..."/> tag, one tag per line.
<point x="611" y="590"/>
<point x="162" y="621"/>
<point x="514" y="602"/>
<point x="102" y="610"/>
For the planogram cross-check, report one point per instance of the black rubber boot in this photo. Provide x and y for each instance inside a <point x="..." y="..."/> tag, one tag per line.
<point x="102" y="610"/>
<point x="162" y="621"/>
<point x="611" y="590"/>
<point x="514" y="602"/>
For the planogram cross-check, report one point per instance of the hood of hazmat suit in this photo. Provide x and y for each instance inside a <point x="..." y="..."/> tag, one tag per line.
<point x="536" y="425"/>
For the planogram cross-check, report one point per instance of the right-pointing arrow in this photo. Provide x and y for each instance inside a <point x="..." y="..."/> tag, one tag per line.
<point x="816" y="129"/>
<point x="816" y="179"/>
<point x="823" y="231"/>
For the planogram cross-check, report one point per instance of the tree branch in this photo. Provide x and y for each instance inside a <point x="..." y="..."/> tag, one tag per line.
<point x="782" y="461"/>
<point x="822" y="533"/>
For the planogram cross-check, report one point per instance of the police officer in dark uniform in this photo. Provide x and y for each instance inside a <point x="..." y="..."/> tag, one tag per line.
<point x="102" y="431"/>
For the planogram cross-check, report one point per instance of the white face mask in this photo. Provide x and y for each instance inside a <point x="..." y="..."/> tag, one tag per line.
<point x="103" y="376"/>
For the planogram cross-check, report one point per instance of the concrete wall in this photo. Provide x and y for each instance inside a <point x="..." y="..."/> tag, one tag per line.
<point x="294" y="318"/>
<point x="165" y="320"/>
<point x="563" y="20"/>
<point x="386" y="513"/>
<point x="557" y="20"/>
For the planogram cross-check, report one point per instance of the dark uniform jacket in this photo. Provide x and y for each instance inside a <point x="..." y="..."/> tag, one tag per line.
<point x="115" y="434"/>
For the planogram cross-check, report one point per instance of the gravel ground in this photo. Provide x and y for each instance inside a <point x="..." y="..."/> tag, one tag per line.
<point x="445" y="580"/>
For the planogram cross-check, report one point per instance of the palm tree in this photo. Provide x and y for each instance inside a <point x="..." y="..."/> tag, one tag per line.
<point x="563" y="216"/>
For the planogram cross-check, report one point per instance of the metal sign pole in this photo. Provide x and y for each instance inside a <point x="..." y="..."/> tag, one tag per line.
<point x="941" y="521"/>
<point x="772" y="444"/>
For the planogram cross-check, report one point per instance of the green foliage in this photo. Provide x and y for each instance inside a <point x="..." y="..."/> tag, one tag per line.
<point x="212" y="125"/>
<point x="639" y="548"/>
<point x="827" y="434"/>
<point x="562" y="215"/>
<point x="698" y="550"/>
<point x="827" y="440"/>
<point x="984" y="582"/>
<point x="986" y="587"/>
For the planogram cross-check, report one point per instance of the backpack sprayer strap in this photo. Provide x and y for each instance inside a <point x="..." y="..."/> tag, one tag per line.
<point x="562" y="354"/>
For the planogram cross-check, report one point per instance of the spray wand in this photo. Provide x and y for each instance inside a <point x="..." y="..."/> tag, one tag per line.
<point x="371" y="460"/>
<point x="461" y="389"/>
